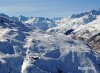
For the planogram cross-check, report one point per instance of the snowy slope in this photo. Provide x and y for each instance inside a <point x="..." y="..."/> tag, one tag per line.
<point x="71" y="23"/>
<point x="90" y="29"/>
<point x="52" y="53"/>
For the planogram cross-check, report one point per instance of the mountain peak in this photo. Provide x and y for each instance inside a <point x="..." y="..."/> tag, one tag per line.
<point x="92" y="12"/>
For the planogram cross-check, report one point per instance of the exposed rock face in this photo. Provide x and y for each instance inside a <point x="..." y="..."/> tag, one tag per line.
<point x="95" y="42"/>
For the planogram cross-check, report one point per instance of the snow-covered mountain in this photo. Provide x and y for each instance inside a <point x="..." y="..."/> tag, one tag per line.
<point x="20" y="18"/>
<point x="85" y="26"/>
<point x="41" y="22"/>
<point x="75" y="21"/>
<point x="91" y="13"/>
<point x="45" y="45"/>
<point x="90" y="33"/>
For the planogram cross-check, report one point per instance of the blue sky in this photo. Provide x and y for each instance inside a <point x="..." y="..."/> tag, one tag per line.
<point x="47" y="8"/>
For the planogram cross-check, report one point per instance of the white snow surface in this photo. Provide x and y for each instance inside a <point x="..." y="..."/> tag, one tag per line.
<point x="90" y="29"/>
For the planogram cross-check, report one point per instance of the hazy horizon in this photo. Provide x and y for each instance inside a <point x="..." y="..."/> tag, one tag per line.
<point x="47" y="8"/>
